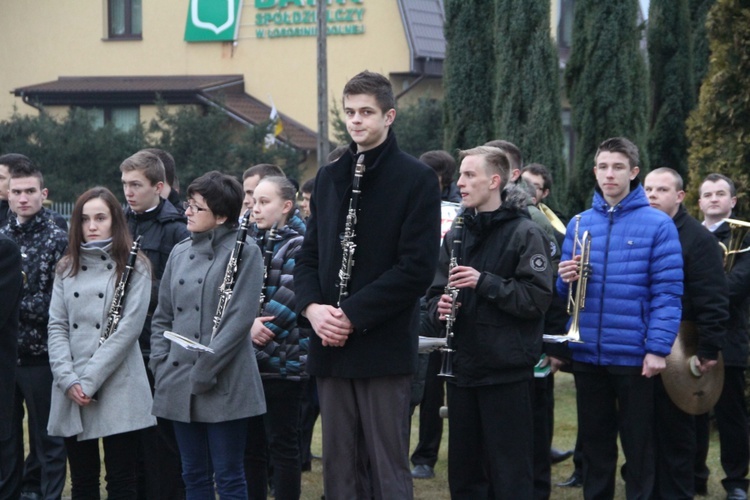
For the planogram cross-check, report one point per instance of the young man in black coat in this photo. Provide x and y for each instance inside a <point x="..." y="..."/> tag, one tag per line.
<point x="161" y="227"/>
<point x="11" y="284"/>
<point x="505" y="284"/>
<point x="365" y="348"/>
<point x="705" y="303"/>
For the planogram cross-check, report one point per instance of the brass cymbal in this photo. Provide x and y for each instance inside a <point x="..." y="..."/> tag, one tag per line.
<point x="691" y="391"/>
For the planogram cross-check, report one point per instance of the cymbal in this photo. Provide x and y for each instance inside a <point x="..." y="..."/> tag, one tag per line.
<point x="692" y="392"/>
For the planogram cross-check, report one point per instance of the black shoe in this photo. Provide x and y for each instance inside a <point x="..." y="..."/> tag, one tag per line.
<point x="422" y="471"/>
<point x="737" y="494"/>
<point x="574" y="481"/>
<point x="701" y="490"/>
<point x="556" y="456"/>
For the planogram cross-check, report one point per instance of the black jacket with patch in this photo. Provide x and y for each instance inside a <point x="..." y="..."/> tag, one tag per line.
<point x="499" y="325"/>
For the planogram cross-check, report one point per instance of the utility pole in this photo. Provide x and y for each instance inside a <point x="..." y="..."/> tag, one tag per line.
<point x="323" y="143"/>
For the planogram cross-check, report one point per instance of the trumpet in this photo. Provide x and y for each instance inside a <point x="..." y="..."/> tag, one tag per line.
<point x="578" y="303"/>
<point x="739" y="229"/>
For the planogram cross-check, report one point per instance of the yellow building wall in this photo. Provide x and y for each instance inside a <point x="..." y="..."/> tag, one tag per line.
<point x="68" y="38"/>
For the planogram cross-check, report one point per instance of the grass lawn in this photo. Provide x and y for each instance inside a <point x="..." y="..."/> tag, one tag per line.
<point x="564" y="438"/>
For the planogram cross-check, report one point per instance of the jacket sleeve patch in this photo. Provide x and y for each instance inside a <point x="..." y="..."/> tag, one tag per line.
<point x="538" y="262"/>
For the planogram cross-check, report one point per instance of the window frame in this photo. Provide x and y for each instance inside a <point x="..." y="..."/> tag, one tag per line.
<point x="128" y="21"/>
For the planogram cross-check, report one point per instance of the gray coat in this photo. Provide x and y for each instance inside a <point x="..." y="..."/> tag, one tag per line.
<point x="225" y="385"/>
<point x="113" y="371"/>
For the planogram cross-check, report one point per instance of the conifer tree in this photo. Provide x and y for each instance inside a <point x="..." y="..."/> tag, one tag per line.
<point x="468" y="73"/>
<point x="699" y="40"/>
<point x="672" y="89"/>
<point x="527" y="98"/>
<point x="719" y="128"/>
<point x="606" y="83"/>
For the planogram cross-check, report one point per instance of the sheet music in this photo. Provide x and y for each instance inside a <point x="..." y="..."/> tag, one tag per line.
<point x="555" y="339"/>
<point x="185" y="342"/>
<point x="429" y="344"/>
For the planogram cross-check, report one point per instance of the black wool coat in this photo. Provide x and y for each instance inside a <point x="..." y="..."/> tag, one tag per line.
<point x="397" y="238"/>
<point x="705" y="299"/>
<point x="735" y="346"/>
<point x="11" y="283"/>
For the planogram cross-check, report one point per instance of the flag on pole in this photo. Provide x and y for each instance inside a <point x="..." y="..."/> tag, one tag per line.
<point x="276" y="127"/>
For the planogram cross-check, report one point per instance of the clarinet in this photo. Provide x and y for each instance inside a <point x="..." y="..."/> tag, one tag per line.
<point x="230" y="274"/>
<point x="446" y="365"/>
<point x="121" y="290"/>
<point x="267" y="257"/>
<point x="347" y="242"/>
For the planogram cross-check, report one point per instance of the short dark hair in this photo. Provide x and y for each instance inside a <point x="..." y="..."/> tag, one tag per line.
<point x="336" y="153"/>
<point x="147" y="163"/>
<point x="170" y="175"/>
<point x="540" y="170"/>
<point x="716" y="177"/>
<point x="15" y="160"/>
<point x="263" y="170"/>
<point x="620" y="145"/>
<point x="20" y="166"/>
<point x="442" y="162"/>
<point x="308" y="186"/>
<point x="495" y="158"/>
<point x="374" y="84"/>
<point x="223" y="194"/>
<point x="514" y="154"/>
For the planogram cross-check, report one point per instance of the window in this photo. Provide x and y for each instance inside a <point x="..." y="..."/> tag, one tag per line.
<point x="565" y="28"/>
<point x="125" y="19"/>
<point x="122" y="118"/>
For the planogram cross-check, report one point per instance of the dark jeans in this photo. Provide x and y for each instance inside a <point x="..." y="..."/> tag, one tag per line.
<point x="490" y="443"/>
<point x="276" y="434"/>
<point x="120" y="458"/>
<point x="731" y="421"/>
<point x="609" y="403"/>
<point x="213" y="450"/>
<point x="430" y="423"/>
<point x="33" y="386"/>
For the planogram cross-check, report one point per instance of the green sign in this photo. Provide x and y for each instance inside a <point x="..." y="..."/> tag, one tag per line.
<point x="213" y="20"/>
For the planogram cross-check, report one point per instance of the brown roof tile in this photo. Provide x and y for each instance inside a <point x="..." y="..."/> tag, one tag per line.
<point x="226" y="91"/>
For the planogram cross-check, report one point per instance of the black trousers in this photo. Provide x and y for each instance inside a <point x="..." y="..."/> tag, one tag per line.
<point x="675" y="447"/>
<point x="608" y="404"/>
<point x="34" y="387"/>
<point x="430" y="423"/>
<point x="544" y="403"/>
<point x="274" y="437"/>
<point x="120" y="462"/>
<point x="309" y="410"/>
<point x="490" y="441"/>
<point x="159" y="466"/>
<point x="731" y="421"/>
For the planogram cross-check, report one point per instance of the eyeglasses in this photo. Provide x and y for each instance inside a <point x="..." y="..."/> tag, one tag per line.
<point x="192" y="206"/>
